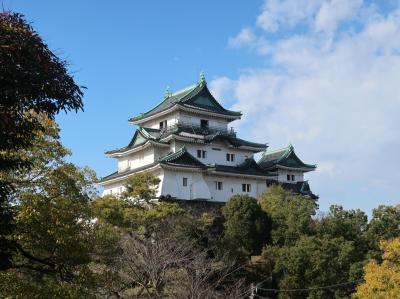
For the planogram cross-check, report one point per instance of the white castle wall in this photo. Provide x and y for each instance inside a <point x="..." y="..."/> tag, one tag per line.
<point x="186" y="119"/>
<point x="216" y="156"/>
<point x="282" y="176"/>
<point x="201" y="186"/>
<point x="136" y="160"/>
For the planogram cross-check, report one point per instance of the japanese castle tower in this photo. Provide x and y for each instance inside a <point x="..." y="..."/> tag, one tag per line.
<point x="187" y="142"/>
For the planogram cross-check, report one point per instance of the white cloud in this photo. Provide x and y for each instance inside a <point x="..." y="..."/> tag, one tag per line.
<point x="333" y="12"/>
<point x="244" y="38"/>
<point x="277" y="13"/>
<point x="220" y="87"/>
<point x="336" y="98"/>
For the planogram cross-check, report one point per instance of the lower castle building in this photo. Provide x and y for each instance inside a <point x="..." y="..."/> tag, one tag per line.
<point x="187" y="143"/>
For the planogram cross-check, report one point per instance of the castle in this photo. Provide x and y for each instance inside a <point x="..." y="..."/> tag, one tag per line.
<point x="187" y="143"/>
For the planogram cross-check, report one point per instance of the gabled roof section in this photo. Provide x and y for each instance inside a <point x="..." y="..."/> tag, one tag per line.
<point x="181" y="158"/>
<point x="117" y="175"/>
<point x="208" y="137"/>
<point x="140" y="138"/>
<point x="196" y="97"/>
<point x="248" y="167"/>
<point x="285" y="157"/>
<point x="302" y="188"/>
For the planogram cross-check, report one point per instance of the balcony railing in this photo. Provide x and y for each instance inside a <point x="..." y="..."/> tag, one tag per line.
<point x="197" y="129"/>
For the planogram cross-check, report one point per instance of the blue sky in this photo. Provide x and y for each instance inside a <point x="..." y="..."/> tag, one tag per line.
<point x="322" y="74"/>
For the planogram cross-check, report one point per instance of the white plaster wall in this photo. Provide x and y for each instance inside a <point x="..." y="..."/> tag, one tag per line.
<point x="232" y="186"/>
<point x="173" y="185"/>
<point x="213" y="122"/>
<point x="282" y="176"/>
<point x="216" y="156"/>
<point x="118" y="187"/>
<point x="123" y="164"/>
<point x="136" y="160"/>
<point x="171" y="119"/>
<point x="202" y="186"/>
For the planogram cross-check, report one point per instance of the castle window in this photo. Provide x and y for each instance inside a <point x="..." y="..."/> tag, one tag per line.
<point x="204" y="123"/>
<point x="230" y="157"/>
<point x="184" y="182"/>
<point x="163" y="124"/>
<point x="218" y="185"/>
<point x="288" y="177"/>
<point x="201" y="154"/>
<point x="246" y="187"/>
<point x="293" y="177"/>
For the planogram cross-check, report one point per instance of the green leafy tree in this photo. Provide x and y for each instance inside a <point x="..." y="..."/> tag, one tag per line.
<point x="33" y="80"/>
<point x="349" y="224"/>
<point x="290" y="213"/>
<point x="55" y="237"/>
<point x="246" y="226"/>
<point x="141" y="187"/>
<point x="125" y="213"/>
<point x="384" y="225"/>
<point x="312" y="262"/>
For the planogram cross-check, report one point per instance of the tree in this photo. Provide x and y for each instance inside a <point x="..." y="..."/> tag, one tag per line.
<point x="290" y="213"/>
<point x="165" y="263"/>
<point x="246" y="226"/>
<point x="351" y="225"/>
<point x="382" y="281"/>
<point x="55" y="238"/>
<point x="384" y="225"/>
<point x="131" y="215"/>
<point x="312" y="262"/>
<point x="141" y="187"/>
<point x="33" y="81"/>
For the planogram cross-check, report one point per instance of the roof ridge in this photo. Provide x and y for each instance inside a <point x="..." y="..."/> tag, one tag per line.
<point x="278" y="150"/>
<point x="172" y="155"/>
<point x="190" y="93"/>
<point x="187" y="88"/>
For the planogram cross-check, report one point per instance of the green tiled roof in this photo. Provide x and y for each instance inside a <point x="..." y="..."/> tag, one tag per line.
<point x="181" y="157"/>
<point x="209" y="137"/>
<point x="141" y="136"/>
<point x="117" y="174"/>
<point x="248" y="167"/>
<point x="283" y="157"/>
<point x="302" y="188"/>
<point x="195" y="96"/>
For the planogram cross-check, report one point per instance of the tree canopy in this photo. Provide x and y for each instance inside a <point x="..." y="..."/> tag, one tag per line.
<point x="382" y="280"/>
<point x="246" y="227"/>
<point x="34" y="81"/>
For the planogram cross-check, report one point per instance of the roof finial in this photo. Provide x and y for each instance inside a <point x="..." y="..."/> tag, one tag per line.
<point x="202" y="78"/>
<point x="168" y="92"/>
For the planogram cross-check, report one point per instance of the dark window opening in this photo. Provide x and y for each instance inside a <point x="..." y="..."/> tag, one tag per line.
<point x="204" y="123"/>
<point x="246" y="187"/>
<point x="184" y="182"/>
<point x="218" y="185"/>
<point x="163" y="124"/>
<point x="230" y="157"/>
<point x="201" y="154"/>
